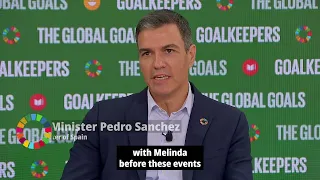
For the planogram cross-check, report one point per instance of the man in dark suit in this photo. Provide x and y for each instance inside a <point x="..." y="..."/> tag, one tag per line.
<point x="166" y="53"/>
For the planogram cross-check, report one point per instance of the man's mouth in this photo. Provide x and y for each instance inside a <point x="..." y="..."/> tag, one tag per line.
<point x="161" y="77"/>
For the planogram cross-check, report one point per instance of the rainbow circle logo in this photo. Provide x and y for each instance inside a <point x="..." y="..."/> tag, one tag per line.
<point x="257" y="133"/>
<point x="98" y="71"/>
<point x="203" y="121"/>
<point x="15" y="39"/>
<point x="35" y="165"/>
<point x="309" y="34"/>
<point x="37" y="118"/>
<point x="224" y="8"/>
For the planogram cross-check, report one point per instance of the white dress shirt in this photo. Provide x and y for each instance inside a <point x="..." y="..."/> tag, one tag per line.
<point x="157" y="139"/>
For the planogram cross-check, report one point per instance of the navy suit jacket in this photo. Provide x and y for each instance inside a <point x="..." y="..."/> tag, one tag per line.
<point x="227" y="149"/>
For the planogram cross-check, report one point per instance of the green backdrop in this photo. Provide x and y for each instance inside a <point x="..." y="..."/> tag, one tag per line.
<point x="279" y="95"/>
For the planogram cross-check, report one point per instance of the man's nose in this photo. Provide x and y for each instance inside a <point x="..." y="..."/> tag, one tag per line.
<point x="158" y="61"/>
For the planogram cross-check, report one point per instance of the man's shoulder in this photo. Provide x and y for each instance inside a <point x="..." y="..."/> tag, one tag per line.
<point x="224" y="115"/>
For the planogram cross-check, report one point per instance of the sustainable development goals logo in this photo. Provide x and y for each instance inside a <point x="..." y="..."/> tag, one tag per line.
<point x="34" y="118"/>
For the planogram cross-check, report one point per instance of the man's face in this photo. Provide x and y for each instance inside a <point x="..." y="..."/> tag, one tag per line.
<point x="164" y="61"/>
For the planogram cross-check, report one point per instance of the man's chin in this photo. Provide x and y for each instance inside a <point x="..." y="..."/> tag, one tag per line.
<point x="161" y="91"/>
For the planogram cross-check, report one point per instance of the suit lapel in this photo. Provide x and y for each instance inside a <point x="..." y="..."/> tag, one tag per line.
<point x="196" y="131"/>
<point x="138" y="113"/>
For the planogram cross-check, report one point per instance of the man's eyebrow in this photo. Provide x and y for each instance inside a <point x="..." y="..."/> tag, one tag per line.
<point x="144" y="49"/>
<point x="170" y="46"/>
<point x="164" y="47"/>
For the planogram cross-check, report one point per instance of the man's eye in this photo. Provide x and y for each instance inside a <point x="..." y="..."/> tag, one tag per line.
<point x="169" y="50"/>
<point x="145" y="54"/>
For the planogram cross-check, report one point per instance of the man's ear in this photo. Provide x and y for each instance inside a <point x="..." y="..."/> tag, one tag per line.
<point x="192" y="55"/>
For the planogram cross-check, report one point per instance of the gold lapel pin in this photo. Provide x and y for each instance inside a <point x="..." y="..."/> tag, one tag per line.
<point x="203" y="121"/>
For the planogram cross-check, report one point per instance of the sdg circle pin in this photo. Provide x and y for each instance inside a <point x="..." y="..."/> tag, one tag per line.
<point x="203" y="121"/>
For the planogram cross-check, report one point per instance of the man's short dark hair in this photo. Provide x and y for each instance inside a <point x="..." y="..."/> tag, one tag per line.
<point x="160" y="18"/>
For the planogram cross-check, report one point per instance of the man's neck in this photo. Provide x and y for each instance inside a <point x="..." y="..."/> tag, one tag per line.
<point x="173" y="102"/>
